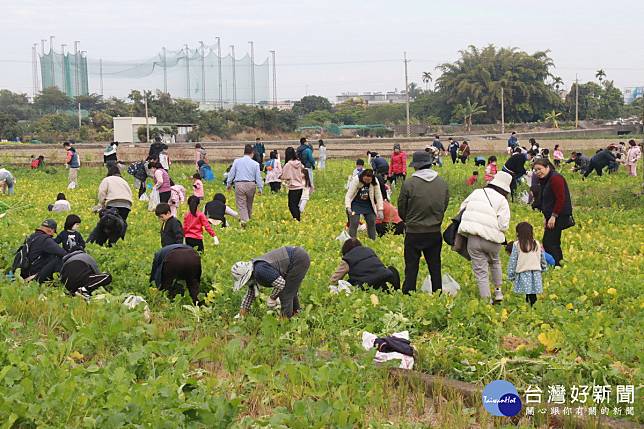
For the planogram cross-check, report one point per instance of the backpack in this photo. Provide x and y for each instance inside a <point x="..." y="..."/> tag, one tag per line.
<point x="21" y="259"/>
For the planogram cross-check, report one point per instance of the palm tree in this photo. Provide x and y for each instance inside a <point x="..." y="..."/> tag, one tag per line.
<point x="557" y="82"/>
<point x="413" y="90"/>
<point x="600" y="75"/>
<point x="552" y="117"/>
<point x="427" y="78"/>
<point x="467" y="111"/>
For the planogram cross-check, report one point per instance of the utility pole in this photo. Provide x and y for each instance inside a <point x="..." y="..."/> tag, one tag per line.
<point x="274" y="81"/>
<point x="221" y="100"/>
<point x="77" y="65"/>
<point x="147" y="122"/>
<point x="188" y="72"/>
<point x="203" y="72"/>
<point x="232" y="48"/>
<point x="576" y="102"/>
<point x="407" y="96"/>
<point x="53" y="62"/>
<point x="252" y="73"/>
<point x="100" y="72"/>
<point x="165" y="72"/>
<point x="62" y="68"/>
<point x="502" y="113"/>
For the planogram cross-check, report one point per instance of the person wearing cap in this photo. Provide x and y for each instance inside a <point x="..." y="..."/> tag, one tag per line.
<point x="282" y="270"/>
<point x="109" y="154"/>
<point x="245" y="175"/>
<point x="45" y="255"/>
<point x="422" y="203"/>
<point x="485" y="218"/>
<point x="398" y="165"/>
<point x="7" y="182"/>
<point x="80" y="274"/>
<point x="174" y="263"/>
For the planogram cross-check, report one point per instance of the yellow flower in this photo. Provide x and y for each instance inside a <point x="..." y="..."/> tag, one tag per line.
<point x="550" y="339"/>
<point x="569" y="306"/>
<point x="612" y="291"/>
<point x="76" y="356"/>
<point x="374" y="300"/>
<point x="504" y="315"/>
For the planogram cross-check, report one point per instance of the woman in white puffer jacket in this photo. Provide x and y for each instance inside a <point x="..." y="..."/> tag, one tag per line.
<point x="485" y="219"/>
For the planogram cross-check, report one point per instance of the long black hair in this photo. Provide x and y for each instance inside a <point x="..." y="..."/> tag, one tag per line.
<point x="290" y="154"/>
<point x="525" y="237"/>
<point x="193" y="204"/>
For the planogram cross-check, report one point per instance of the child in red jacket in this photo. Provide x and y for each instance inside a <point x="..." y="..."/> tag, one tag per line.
<point x="194" y="223"/>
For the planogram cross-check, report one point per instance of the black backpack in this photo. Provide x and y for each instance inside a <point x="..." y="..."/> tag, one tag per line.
<point x="21" y="259"/>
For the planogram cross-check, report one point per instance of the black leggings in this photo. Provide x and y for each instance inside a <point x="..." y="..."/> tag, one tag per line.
<point x="453" y="155"/>
<point x="164" y="197"/>
<point x="195" y="243"/>
<point x="181" y="264"/>
<point x="275" y="186"/>
<point x="531" y="298"/>
<point x="294" y="197"/>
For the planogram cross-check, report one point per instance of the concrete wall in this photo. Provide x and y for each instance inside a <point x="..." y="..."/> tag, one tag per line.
<point x="92" y="154"/>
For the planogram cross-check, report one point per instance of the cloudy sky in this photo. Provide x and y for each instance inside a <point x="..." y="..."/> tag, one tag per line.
<point x="327" y="47"/>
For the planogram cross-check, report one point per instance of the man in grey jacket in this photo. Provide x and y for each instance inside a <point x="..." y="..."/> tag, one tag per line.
<point x="422" y="203"/>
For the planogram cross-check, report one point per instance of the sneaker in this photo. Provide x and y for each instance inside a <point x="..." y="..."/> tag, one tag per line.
<point x="498" y="295"/>
<point x="83" y="293"/>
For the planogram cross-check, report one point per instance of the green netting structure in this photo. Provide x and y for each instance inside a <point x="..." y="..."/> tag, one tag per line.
<point x="67" y="72"/>
<point x="187" y="73"/>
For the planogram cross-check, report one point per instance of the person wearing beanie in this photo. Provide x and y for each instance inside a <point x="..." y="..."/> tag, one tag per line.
<point x="45" y="255"/>
<point x="485" y="218"/>
<point x="422" y="203"/>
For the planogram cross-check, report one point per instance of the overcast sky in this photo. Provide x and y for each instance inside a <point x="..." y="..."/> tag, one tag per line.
<point x="326" y="47"/>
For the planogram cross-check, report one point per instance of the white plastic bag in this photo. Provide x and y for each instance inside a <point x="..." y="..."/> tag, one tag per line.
<point x="427" y="285"/>
<point x="144" y="197"/>
<point x="450" y="286"/>
<point x="132" y="301"/>
<point x="343" y="286"/>
<point x="154" y="200"/>
<point x="344" y="236"/>
<point x="524" y="197"/>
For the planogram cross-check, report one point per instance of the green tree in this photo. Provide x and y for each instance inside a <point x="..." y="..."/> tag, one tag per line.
<point x="91" y="102"/>
<point x="427" y="79"/>
<point x="553" y="118"/>
<point x="479" y="75"/>
<point x="15" y="105"/>
<point x="431" y="105"/>
<point x="595" y="101"/>
<point x="51" y="100"/>
<point x="467" y="111"/>
<point x="557" y="82"/>
<point x="311" y="103"/>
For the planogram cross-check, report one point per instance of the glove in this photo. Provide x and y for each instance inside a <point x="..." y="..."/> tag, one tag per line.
<point x="273" y="304"/>
<point x="215" y="240"/>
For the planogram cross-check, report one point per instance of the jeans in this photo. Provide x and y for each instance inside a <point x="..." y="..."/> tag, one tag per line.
<point x="552" y="242"/>
<point x="428" y="244"/>
<point x="453" y="155"/>
<point x="310" y="170"/>
<point x="294" y="196"/>
<point x="485" y="258"/>
<point x="370" y="219"/>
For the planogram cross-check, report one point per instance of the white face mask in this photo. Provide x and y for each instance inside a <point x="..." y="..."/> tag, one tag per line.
<point x="76" y="227"/>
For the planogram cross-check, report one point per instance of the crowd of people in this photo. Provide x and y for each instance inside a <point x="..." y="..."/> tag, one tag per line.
<point x="479" y="229"/>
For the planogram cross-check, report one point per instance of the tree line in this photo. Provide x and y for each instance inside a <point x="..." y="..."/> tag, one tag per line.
<point x="467" y="91"/>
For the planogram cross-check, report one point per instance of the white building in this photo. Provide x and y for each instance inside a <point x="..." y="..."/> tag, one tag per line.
<point x="373" y="97"/>
<point x="125" y="128"/>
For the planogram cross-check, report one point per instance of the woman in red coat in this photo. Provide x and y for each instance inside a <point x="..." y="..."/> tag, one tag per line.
<point x="398" y="165"/>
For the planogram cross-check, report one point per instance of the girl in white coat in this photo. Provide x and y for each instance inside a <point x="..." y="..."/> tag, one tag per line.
<point x="485" y="218"/>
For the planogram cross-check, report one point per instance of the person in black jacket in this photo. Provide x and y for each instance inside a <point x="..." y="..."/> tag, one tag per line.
<point x="80" y="274"/>
<point x="217" y="210"/>
<point x="555" y="204"/>
<point x="515" y="166"/>
<point x="70" y="238"/>
<point x="171" y="228"/>
<point x="175" y="263"/>
<point x="155" y="149"/>
<point x="109" y="229"/>
<point x="379" y="164"/>
<point x="364" y="267"/>
<point x="45" y="256"/>
<point x="599" y="161"/>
